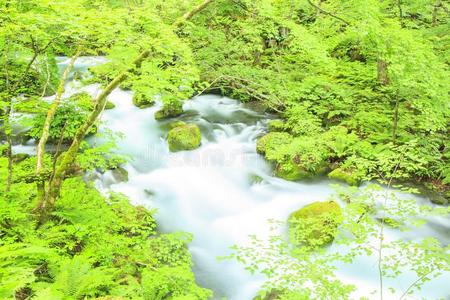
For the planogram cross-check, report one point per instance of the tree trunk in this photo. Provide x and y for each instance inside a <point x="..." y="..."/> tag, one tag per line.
<point x="65" y="161"/>
<point x="436" y="5"/>
<point x="400" y="13"/>
<point x="187" y="16"/>
<point x="8" y="149"/>
<point x="395" y="120"/>
<point x="46" y="129"/>
<point x="382" y="69"/>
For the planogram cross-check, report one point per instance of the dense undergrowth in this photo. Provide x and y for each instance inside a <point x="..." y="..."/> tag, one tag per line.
<point x="359" y="89"/>
<point x="92" y="246"/>
<point x="365" y="92"/>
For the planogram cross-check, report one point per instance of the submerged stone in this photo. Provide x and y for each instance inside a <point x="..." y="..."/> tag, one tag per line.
<point x="120" y="174"/>
<point x="315" y="225"/>
<point x="184" y="137"/>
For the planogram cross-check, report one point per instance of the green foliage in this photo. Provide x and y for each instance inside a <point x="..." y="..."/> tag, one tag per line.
<point x="170" y="109"/>
<point x="70" y="115"/>
<point x="91" y="246"/>
<point x="271" y="141"/>
<point x="320" y="71"/>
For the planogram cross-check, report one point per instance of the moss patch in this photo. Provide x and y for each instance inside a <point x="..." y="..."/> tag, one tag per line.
<point x="315" y="224"/>
<point x="142" y="100"/>
<point x="184" y="137"/>
<point x="169" y="110"/>
<point x="276" y="126"/>
<point x="348" y="176"/>
<point x="272" y="140"/>
<point x="109" y="105"/>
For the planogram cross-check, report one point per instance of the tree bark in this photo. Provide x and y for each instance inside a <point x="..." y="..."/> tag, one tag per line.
<point x="436" y="5"/>
<point x="65" y="161"/>
<point x="400" y="13"/>
<point x="46" y="129"/>
<point x="395" y="120"/>
<point x="382" y="70"/>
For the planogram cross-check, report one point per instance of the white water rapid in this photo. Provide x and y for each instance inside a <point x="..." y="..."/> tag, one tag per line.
<point x="223" y="191"/>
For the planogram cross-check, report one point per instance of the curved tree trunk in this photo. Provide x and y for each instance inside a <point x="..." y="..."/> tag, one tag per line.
<point x="66" y="160"/>
<point x="46" y="129"/>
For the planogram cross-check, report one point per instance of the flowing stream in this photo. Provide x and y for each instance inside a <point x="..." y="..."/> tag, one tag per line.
<point x="223" y="191"/>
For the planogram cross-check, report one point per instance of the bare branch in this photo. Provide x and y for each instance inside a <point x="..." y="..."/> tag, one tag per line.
<point x="327" y="13"/>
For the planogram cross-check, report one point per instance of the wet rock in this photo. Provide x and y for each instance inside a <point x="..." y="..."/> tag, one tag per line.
<point x="16" y="158"/>
<point x="120" y="174"/>
<point x="184" y="137"/>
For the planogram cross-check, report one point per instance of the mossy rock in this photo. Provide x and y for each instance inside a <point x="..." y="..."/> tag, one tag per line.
<point x="176" y="124"/>
<point x="276" y="126"/>
<point x="272" y="140"/>
<point x="345" y="175"/>
<point x="290" y="171"/>
<point x="184" y="137"/>
<point x="142" y="100"/>
<point x="315" y="225"/>
<point x="169" y="110"/>
<point x="109" y="105"/>
<point x="17" y="158"/>
<point x="20" y="138"/>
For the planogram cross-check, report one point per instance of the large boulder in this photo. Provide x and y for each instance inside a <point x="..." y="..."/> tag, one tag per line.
<point x="184" y="137"/>
<point x="315" y="225"/>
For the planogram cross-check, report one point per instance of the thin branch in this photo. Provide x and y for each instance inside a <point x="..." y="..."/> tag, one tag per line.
<point x="187" y="16"/>
<point x="415" y="283"/>
<point x="381" y="234"/>
<point x="327" y="13"/>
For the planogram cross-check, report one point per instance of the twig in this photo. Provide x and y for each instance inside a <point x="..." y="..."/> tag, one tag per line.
<point x="414" y="283"/>
<point x="327" y="13"/>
